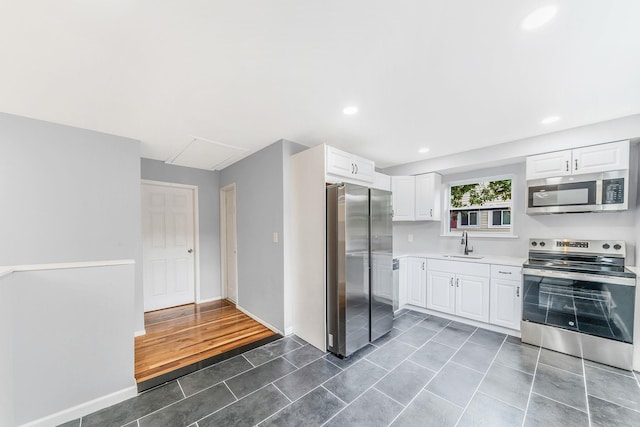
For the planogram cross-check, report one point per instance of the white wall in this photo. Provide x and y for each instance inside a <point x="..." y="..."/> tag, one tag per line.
<point x="208" y="183"/>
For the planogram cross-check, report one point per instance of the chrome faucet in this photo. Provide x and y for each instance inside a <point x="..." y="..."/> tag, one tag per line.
<point x="465" y="242"/>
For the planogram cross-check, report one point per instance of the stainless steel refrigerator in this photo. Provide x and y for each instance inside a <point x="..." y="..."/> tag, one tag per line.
<point x="359" y="267"/>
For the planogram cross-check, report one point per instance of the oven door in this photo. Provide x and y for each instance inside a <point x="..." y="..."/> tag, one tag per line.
<point x="587" y="303"/>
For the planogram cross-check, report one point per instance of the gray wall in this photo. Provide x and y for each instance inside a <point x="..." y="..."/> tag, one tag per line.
<point x="208" y="213"/>
<point x="69" y="195"/>
<point x="260" y="202"/>
<point x="74" y="344"/>
<point x="7" y="353"/>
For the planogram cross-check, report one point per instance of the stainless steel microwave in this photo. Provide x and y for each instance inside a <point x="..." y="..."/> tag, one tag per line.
<point x="598" y="192"/>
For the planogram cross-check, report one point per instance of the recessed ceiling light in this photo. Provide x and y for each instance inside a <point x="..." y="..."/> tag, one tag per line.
<point x="549" y="120"/>
<point x="539" y="17"/>
<point x="350" y="110"/>
<point x="423" y="150"/>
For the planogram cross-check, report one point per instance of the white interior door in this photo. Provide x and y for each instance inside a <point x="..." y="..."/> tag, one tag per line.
<point x="231" y="243"/>
<point x="167" y="246"/>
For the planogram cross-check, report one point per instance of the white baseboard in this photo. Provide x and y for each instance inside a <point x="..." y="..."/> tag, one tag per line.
<point x="257" y="319"/>
<point x="288" y="331"/>
<point x="140" y="333"/>
<point x="84" y="408"/>
<point x="201" y="301"/>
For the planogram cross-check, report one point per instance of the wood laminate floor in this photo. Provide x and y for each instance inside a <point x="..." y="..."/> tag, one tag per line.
<point x="181" y="336"/>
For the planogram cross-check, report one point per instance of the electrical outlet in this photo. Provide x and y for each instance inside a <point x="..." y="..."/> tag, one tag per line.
<point x="275" y="237"/>
<point x="410" y="237"/>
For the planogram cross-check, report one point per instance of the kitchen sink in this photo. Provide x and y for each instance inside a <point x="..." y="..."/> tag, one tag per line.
<point x="463" y="256"/>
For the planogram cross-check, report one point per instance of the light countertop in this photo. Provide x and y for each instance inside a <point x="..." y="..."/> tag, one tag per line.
<point x="484" y="259"/>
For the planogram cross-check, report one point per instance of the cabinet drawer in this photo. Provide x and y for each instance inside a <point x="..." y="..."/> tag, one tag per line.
<point x="507" y="272"/>
<point x="459" y="267"/>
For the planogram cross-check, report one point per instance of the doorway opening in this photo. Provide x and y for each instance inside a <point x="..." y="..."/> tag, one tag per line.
<point x="229" y="242"/>
<point x="182" y="332"/>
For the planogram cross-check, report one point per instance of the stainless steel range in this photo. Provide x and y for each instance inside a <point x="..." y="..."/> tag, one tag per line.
<point x="579" y="299"/>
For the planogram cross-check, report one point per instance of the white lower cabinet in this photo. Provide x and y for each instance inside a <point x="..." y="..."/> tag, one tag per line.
<point x="459" y="288"/>
<point x="506" y="296"/>
<point x="416" y="281"/>
<point x="472" y="297"/>
<point x="441" y="293"/>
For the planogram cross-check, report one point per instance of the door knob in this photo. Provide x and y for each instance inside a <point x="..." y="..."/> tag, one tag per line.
<point x="189" y="250"/>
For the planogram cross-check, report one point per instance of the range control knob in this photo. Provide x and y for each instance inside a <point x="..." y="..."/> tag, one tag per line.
<point x="534" y="244"/>
<point x="617" y="247"/>
<point x="542" y="243"/>
<point x="606" y="246"/>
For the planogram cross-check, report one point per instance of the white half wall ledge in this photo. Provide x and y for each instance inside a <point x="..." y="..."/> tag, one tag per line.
<point x="84" y="409"/>
<point x="4" y="270"/>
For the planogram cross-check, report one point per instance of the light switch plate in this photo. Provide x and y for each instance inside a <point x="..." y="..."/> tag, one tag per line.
<point x="410" y="237"/>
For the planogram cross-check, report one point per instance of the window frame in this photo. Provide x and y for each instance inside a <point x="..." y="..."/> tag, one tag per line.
<point x="502" y="211"/>
<point x="470" y="211"/>
<point x="447" y="210"/>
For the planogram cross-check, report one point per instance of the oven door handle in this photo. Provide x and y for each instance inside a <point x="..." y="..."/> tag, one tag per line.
<point x="570" y="275"/>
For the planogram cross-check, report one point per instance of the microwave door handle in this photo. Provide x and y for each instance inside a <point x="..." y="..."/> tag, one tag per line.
<point x="566" y="165"/>
<point x="576" y="164"/>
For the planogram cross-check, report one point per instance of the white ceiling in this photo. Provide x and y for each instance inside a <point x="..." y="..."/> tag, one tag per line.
<point x="451" y="75"/>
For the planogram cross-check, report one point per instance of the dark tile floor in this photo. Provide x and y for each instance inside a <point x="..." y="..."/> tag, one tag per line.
<point x="427" y="371"/>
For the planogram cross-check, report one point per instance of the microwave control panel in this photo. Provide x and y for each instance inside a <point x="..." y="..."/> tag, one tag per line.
<point x="612" y="191"/>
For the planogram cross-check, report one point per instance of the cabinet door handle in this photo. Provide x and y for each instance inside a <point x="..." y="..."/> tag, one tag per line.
<point x="356" y="168"/>
<point x="566" y="165"/>
<point x="431" y="212"/>
<point x="451" y="281"/>
<point x="353" y="168"/>
<point x="423" y="265"/>
<point x="504" y="272"/>
<point x="576" y="164"/>
<point x="457" y="282"/>
<point x="518" y="291"/>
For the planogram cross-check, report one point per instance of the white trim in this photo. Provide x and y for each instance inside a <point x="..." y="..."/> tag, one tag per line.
<point x="257" y="319"/>
<point x="64" y="265"/>
<point x="140" y="333"/>
<point x="202" y="301"/>
<point x="196" y="227"/>
<point x="223" y="241"/>
<point x="84" y="408"/>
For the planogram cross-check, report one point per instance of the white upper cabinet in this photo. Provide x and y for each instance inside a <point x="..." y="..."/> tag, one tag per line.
<point x="428" y="197"/>
<point x="416" y="198"/>
<point x="549" y="164"/>
<point x="342" y="164"/>
<point x="601" y="158"/>
<point x="595" y="158"/>
<point x="404" y="198"/>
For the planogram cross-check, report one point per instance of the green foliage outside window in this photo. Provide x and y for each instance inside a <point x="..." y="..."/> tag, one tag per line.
<point x="481" y="193"/>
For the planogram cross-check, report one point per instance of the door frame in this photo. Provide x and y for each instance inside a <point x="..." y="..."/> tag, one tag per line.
<point x="223" y="241"/>
<point x="196" y="228"/>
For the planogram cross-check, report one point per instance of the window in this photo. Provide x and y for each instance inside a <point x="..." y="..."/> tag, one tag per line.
<point x="466" y="218"/>
<point x="500" y="218"/>
<point x="480" y="206"/>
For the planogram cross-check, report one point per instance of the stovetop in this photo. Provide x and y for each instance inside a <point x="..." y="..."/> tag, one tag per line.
<point x="582" y="256"/>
